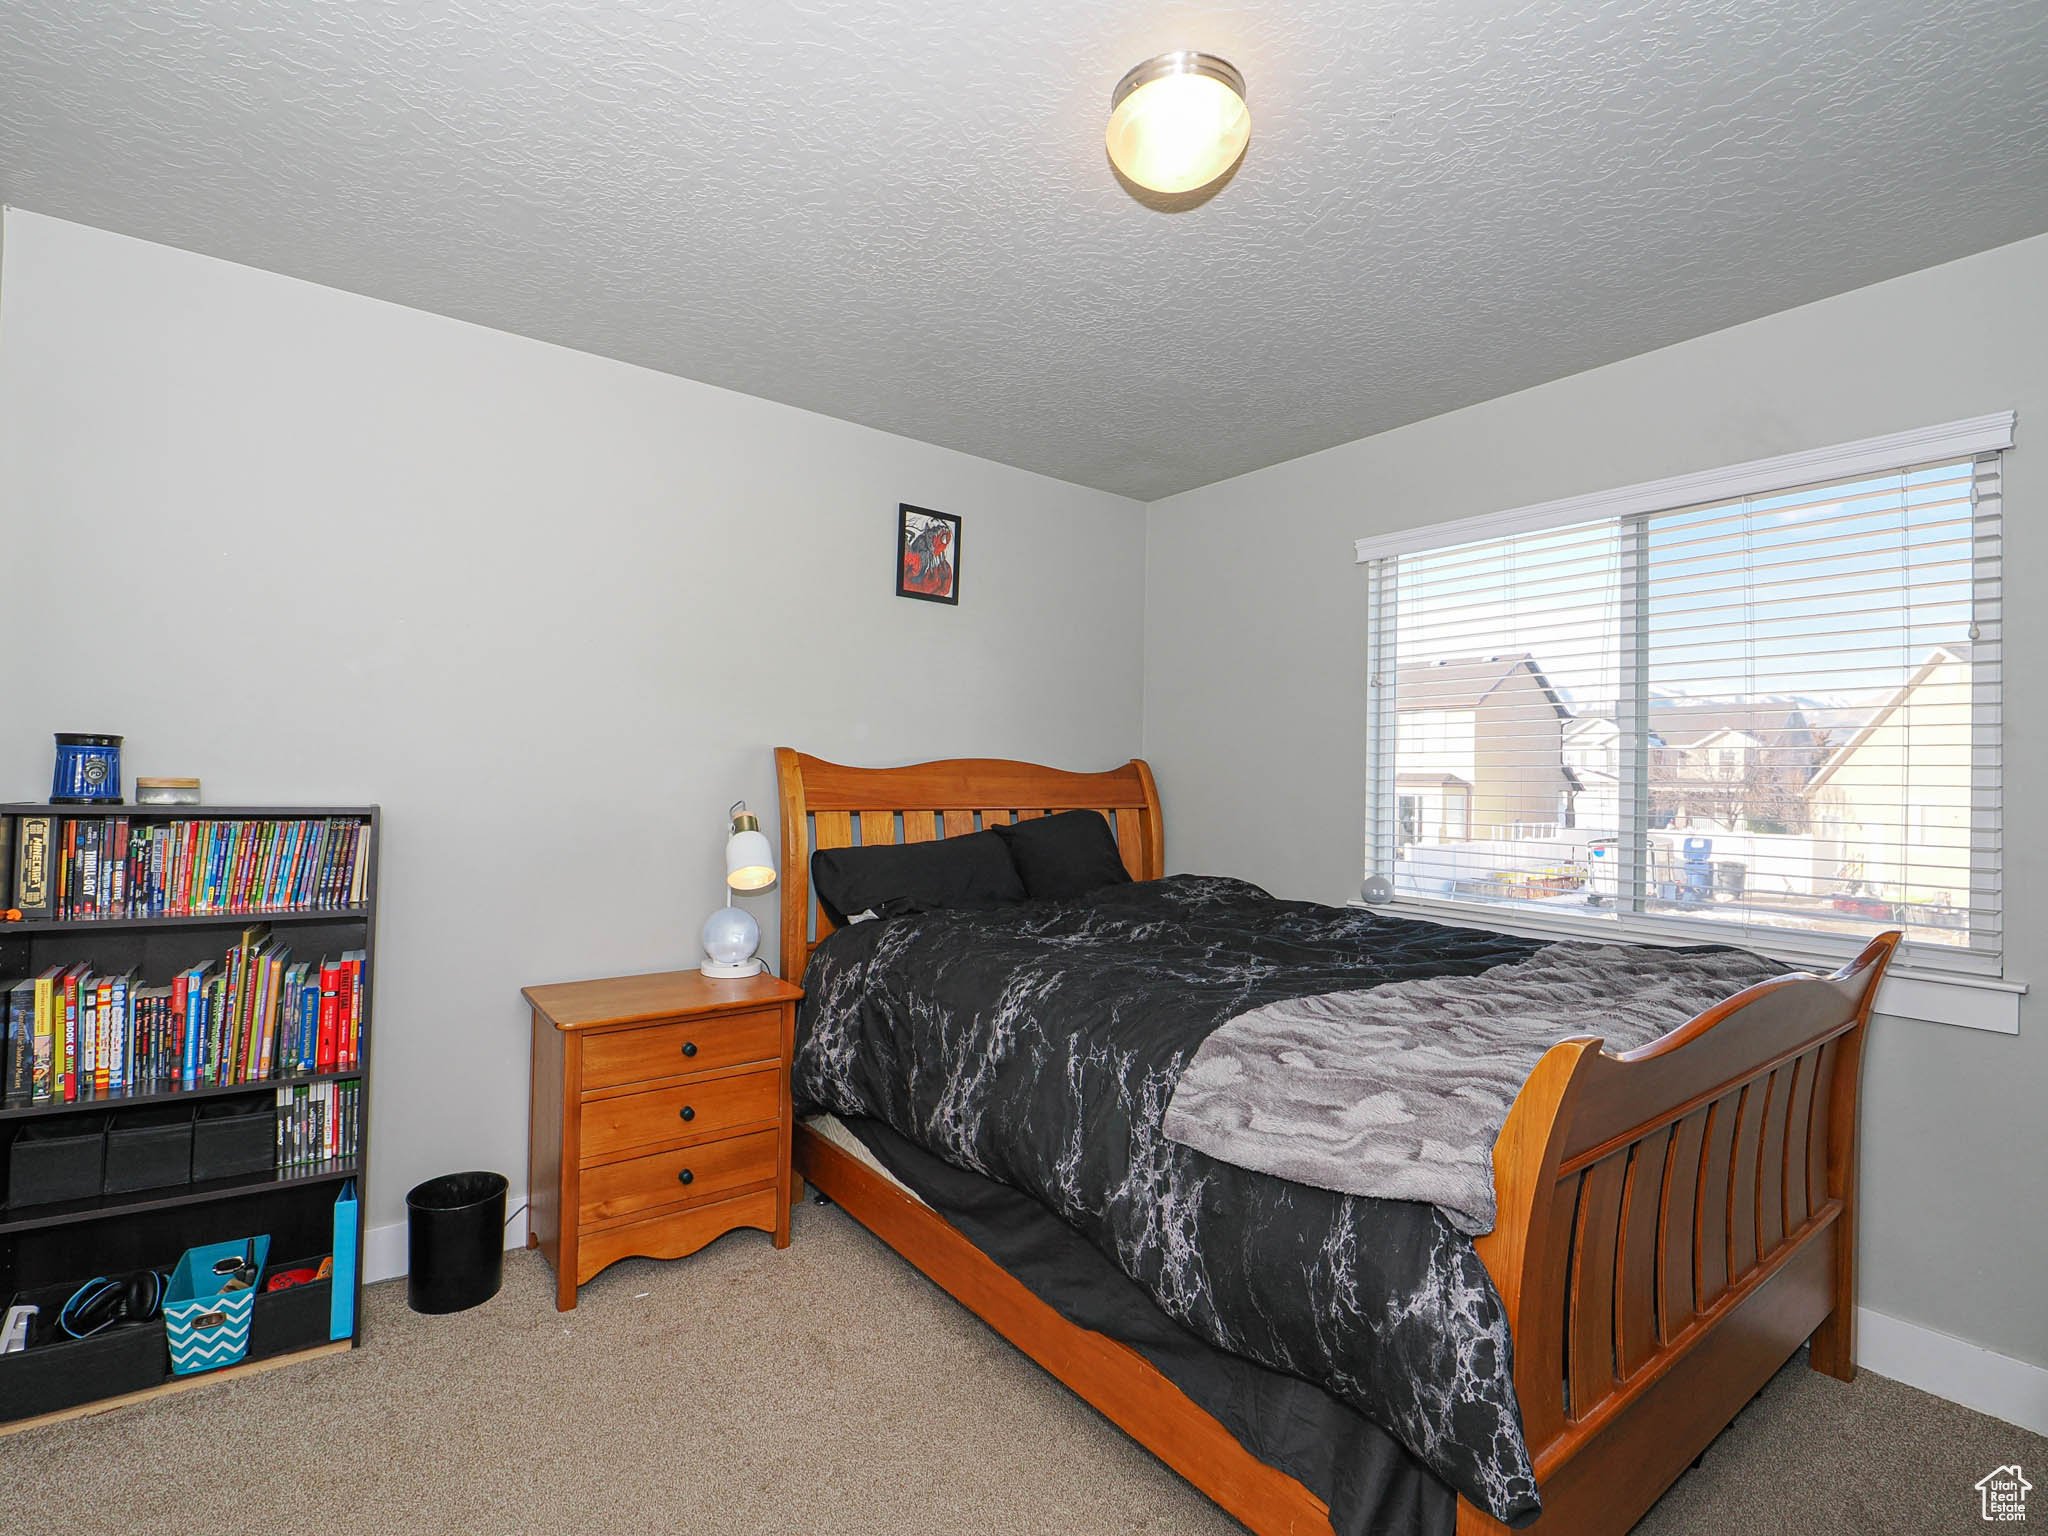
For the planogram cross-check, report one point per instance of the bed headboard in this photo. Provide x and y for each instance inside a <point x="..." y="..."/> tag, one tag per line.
<point x="824" y="805"/>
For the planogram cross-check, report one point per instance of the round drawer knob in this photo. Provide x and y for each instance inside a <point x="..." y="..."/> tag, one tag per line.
<point x="689" y="1113"/>
<point x="689" y="1047"/>
<point x="686" y="1177"/>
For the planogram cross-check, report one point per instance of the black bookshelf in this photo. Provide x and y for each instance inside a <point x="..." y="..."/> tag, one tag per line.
<point x="48" y="1248"/>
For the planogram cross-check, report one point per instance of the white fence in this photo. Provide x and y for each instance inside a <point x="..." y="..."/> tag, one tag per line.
<point x="1772" y="864"/>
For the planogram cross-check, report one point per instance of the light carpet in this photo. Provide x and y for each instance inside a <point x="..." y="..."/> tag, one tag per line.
<point x="826" y="1388"/>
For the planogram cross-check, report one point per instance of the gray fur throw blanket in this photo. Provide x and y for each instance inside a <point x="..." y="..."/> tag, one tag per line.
<point x="1400" y="1091"/>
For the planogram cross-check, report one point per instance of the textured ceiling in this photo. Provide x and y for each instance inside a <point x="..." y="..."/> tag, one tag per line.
<point x="899" y="211"/>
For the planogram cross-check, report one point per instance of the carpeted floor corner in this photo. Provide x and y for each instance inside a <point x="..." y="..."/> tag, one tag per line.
<point x="827" y="1388"/>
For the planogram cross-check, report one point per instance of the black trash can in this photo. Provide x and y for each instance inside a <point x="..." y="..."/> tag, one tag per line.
<point x="455" y="1228"/>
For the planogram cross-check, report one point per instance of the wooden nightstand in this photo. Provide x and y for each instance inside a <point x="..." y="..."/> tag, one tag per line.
<point x="661" y="1117"/>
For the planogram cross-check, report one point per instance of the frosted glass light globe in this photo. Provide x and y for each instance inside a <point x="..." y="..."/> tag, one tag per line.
<point x="731" y="935"/>
<point x="1178" y="122"/>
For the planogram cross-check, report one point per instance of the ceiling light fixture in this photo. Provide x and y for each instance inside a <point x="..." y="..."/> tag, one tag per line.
<point x="1178" y="122"/>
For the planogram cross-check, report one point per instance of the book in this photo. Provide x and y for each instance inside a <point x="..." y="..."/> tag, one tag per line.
<point x="88" y="1035"/>
<point x="114" y="1026"/>
<point x="41" y="1088"/>
<point x="191" y="1005"/>
<point x="144" y="1058"/>
<point x="348" y="1048"/>
<point x="34" y="868"/>
<point x="249" y="972"/>
<point x="86" y="843"/>
<point x="324" y="1056"/>
<point x="115" y="883"/>
<point x="199" y="1032"/>
<point x="219" y="1023"/>
<point x="67" y="868"/>
<point x="19" y="1077"/>
<point x="273" y="1007"/>
<point x="309" y="1017"/>
<point x="103" y="1041"/>
<point x="68" y="1050"/>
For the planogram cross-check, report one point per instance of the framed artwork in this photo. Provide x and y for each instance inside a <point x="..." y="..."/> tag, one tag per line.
<point x="927" y="554"/>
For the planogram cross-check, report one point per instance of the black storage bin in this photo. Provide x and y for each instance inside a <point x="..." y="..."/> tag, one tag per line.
<point x="63" y="1158"/>
<point x="455" y="1239"/>
<point x="231" y="1140"/>
<point x="297" y="1317"/>
<point x="56" y="1372"/>
<point x="149" y="1149"/>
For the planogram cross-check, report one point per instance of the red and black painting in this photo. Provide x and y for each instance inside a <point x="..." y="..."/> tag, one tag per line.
<point x="927" y="555"/>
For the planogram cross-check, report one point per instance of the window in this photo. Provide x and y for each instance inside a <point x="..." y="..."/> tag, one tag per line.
<point x="1759" y="705"/>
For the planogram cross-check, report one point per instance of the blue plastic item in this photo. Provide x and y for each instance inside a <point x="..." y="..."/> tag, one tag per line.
<point x="88" y="769"/>
<point x="208" y="1327"/>
<point x="1699" y="869"/>
<point x="341" y="1315"/>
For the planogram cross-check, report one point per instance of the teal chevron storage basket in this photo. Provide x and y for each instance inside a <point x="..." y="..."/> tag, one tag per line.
<point x="209" y="1328"/>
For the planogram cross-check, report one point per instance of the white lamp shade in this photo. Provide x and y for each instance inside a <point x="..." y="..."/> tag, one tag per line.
<point x="749" y="861"/>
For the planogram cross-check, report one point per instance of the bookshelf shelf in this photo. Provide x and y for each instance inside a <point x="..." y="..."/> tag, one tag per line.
<point x="48" y="1248"/>
<point x="69" y="925"/>
<point x="34" y="1218"/>
<point x="169" y="1096"/>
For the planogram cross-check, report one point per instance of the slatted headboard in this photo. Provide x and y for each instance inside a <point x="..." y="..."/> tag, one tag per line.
<point x="825" y="804"/>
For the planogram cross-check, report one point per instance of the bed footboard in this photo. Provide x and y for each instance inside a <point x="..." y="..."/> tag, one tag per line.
<point x="1674" y="1223"/>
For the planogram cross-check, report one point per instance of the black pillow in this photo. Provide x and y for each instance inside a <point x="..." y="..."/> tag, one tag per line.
<point x="1065" y="855"/>
<point x="890" y="879"/>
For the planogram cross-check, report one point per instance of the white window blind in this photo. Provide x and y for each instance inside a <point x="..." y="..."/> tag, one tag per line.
<point x="1768" y="716"/>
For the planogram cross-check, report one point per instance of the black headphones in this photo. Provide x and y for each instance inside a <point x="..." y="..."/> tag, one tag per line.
<point x="103" y="1301"/>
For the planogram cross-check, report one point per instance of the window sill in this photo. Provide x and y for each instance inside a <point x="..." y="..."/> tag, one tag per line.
<point x="1929" y="997"/>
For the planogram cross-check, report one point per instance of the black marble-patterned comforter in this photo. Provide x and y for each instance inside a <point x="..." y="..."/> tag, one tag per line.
<point x="1039" y="1045"/>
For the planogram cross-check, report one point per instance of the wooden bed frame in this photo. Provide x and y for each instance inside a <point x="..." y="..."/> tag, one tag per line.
<point x="1673" y="1222"/>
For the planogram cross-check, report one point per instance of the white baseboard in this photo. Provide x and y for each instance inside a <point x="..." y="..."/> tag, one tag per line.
<point x="1962" y="1372"/>
<point x="385" y="1255"/>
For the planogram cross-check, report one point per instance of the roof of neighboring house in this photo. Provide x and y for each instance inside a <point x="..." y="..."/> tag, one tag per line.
<point x="1941" y="655"/>
<point x="1731" y="733"/>
<point x="1436" y="780"/>
<point x="1684" y="724"/>
<point x="1464" y="682"/>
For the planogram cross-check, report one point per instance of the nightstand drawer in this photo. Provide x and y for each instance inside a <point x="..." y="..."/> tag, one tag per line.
<point x="691" y="1045"/>
<point x="699" y="1109"/>
<point x="702" y="1172"/>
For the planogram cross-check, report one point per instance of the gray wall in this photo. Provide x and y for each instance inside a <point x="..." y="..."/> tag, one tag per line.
<point x="1254" y="688"/>
<point x="551" y="611"/>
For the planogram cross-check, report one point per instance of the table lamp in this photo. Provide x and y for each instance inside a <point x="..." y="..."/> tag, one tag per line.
<point x="730" y="934"/>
